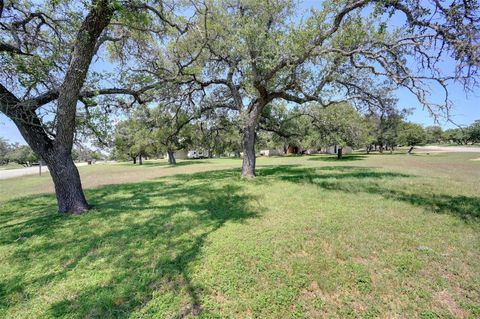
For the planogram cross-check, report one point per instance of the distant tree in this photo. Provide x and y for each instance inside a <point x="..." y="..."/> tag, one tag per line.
<point x="217" y="132"/>
<point x="341" y="125"/>
<point x="384" y="124"/>
<point x="411" y="134"/>
<point x="474" y="132"/>
<point x="170" y="127"/>
<point x="434" y="134"/>
<point x="22" y="154"/>
<point x="96" y="155"/>
<point x="83" y="152"/>
<point x="165" y="129"/>
<point x="391" y="126"/>
<point x="456" y="135"/>
<point x="132" y="140"/>
<point x="4" y="150"/>
<point x="281" y="126"/>
<point x="370" y="132"/>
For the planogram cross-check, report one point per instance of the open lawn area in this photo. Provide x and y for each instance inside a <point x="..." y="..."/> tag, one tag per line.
<point x="391" y="236"/>
<point x="10" y="166"/>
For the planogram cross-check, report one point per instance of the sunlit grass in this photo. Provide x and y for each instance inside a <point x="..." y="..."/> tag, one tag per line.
<point x="310" y="237"/>
<point x="10" y="166"/>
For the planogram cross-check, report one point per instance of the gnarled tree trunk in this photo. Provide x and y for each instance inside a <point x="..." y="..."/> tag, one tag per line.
<point x="248" y="141"/>
<point x="65" y="176"/>
<point x="339" y="153"/>
<point x="171" y="157"/>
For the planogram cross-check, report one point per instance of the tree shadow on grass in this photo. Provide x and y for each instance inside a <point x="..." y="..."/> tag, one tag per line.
<point x="133" y="255"/>
<point x="140" y="241"/>
<point x="355" y="179"/>
<point x="164" y="163"/>
<point x="333" y="158"/>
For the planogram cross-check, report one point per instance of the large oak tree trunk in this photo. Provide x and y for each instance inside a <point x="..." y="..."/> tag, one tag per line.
<point x="339" y="153"/>
<point x="68" y="187"/>
<point x="171" y="158"/>
<point x="248" y="140"/>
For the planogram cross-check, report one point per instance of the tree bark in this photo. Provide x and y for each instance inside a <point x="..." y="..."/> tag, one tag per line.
<point x="134" y="160"/>
<point x="340" y="153"/>
<point x="171" y="157"/>
<point x="410" y="150"/>
<point x="140" y="161"/>
<point x="248" y="141"/>
<point x="82" y="54"/>
<point x="68" y="186"/>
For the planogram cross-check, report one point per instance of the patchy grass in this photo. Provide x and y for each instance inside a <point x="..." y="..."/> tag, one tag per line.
<point x="371" y="236"/>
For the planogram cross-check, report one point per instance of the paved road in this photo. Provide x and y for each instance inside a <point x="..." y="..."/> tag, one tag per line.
<point x="11" y="173"/>
<point x="449" y="149"/>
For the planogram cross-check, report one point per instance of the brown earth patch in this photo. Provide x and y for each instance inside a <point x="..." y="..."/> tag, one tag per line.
<point x="445" y="300"/>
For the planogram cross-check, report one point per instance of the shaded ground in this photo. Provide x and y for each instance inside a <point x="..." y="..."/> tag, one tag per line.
<point x="378" y="236"/>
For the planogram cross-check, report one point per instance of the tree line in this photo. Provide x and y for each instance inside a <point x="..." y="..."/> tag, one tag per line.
<point x="243" y="56"/>
<point x="24" y="155"/>
<point x="16" y="153"/>
<point x="156" y="132"/>
<point x="159" y="131"/>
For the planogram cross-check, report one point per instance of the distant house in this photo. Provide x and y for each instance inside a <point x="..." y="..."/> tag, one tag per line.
<point x="333" y="149"/>
<point x="272" y="152"/>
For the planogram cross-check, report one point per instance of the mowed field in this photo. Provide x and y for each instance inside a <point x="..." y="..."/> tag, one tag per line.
<point x="389" y="236"/>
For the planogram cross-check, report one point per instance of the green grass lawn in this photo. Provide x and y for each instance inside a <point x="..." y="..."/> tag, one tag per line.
<point x="310" y="237"/>
<point x="11" y="166"/>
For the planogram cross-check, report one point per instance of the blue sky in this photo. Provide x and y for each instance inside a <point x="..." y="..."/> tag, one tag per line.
<point x="466" y="107"/>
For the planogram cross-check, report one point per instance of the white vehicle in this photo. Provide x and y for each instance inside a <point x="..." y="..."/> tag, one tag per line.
<point x="197" y="154"/>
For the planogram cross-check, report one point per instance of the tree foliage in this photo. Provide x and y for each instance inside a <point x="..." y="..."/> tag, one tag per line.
<point x="341" y="125"/>
<point x="411" y="134"/>
<point x="16" y="153"/>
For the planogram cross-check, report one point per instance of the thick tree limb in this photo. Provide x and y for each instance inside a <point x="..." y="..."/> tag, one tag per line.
<point x="83" y="50"/>
<point x="5" y="47"/>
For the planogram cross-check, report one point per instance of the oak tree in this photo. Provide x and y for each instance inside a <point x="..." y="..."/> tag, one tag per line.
<point x="256" y="52"/>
